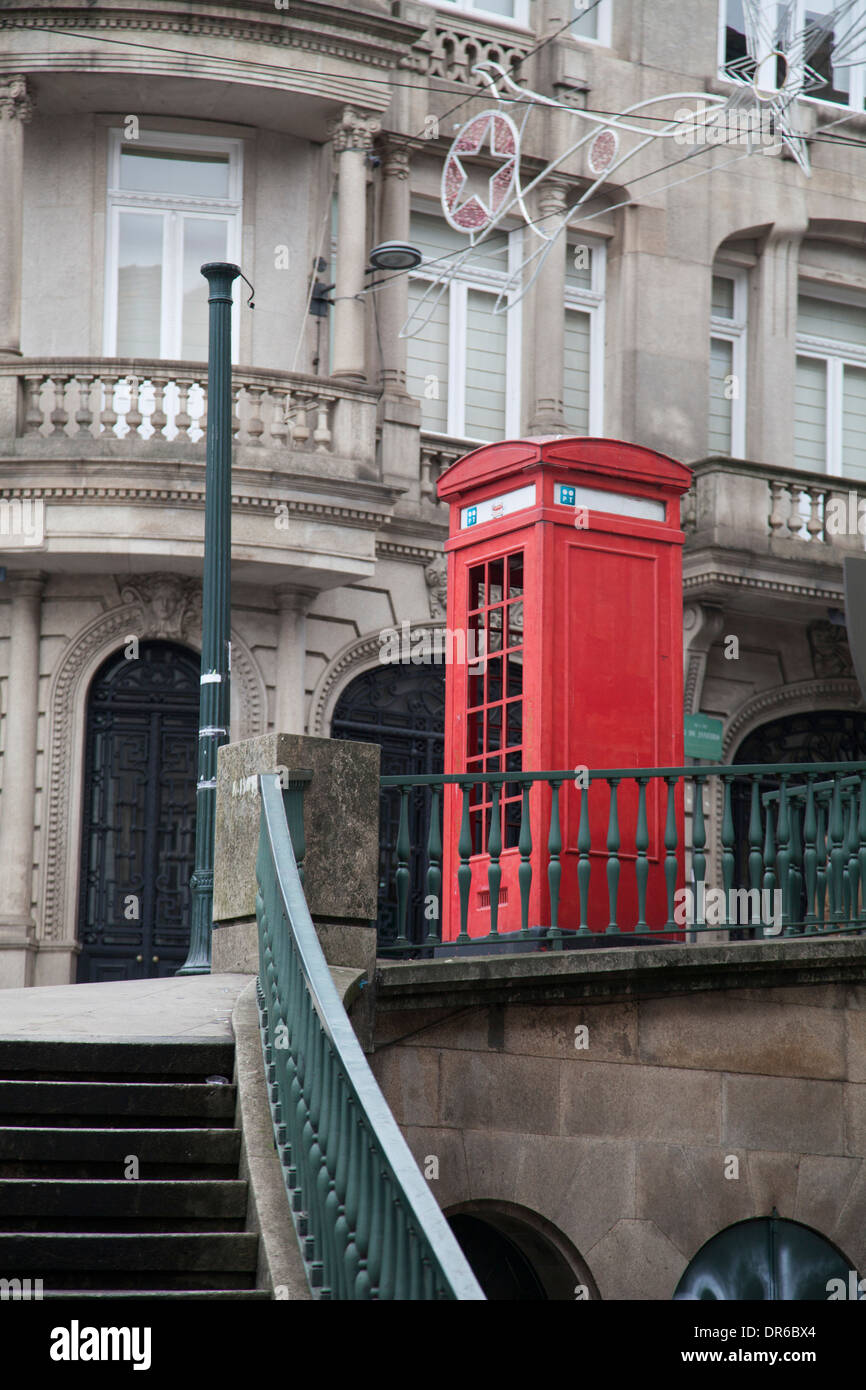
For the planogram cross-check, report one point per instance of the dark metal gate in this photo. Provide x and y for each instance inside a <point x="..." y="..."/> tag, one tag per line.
<point x="402" y="708"/>
<point x="138" y="832"/>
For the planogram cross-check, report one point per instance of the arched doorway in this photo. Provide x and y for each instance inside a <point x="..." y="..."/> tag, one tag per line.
<point x="766" y="1257"/>
<point x="402" y="708"/>
<point x="815" y="736"/>
<point x="517" y="1255"/>
<point x="138" y="831"/>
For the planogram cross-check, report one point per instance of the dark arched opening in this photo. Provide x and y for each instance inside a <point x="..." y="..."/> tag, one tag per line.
<point x="766" y="1258"/>
<point x="518" y="1255"/>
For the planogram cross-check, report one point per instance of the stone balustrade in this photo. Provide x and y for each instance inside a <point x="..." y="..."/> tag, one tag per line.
<point x="437" y="454"/>
<point x="766" y="509"/>
<point x="141" y="403"/>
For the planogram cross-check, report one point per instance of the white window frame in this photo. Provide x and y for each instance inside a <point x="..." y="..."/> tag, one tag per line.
<point x="857" y="72"/>
<point x="836" y="355"/>
<point x="127" y="200"/>
<point x="474" y="277"/>
<point x="591" y="301"/>
<point x="734" y="331"/>
<point x="475" y="9"/>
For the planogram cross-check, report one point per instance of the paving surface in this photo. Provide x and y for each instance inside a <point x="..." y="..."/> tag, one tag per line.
<point x="189" y="1007"/>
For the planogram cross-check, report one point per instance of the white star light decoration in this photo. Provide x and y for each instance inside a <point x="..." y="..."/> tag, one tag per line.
<point x="771" y="77"/>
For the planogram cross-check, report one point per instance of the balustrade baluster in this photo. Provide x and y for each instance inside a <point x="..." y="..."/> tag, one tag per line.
<point x="158" y="418"/>
<point x="699" y="841"/>
<point x="494" y="849"/>
<point x="84" y="413"/>
<point x="853" y="847"/>
<point x="34" y="418"/>
<point x="783" y="853"/>
<point x="861" y="852"/>
<point x="134" y="416"/>
<point x="236" y="413"/>
<point x="584" y="864"/>
<point x="795" y="516"/>
<point x="464" y="872"/>
<point x="524" y="872"/>
<point x="554" y="868"/>
<point x="301" y="431"/>
<point x="727" y="839"/>
<point x="821" y="875"/>
<point x="810" y="855"/>
<point x="402" y="876"/>
<point x="815" y="524"/>
<point x="108" y="415"/>
<point x="322" y="434"/>
<point x="776" y="519"/>
<point x="279" y="421"/>
<point x="795" y="876"/>
<point x="59" y="415"/>
<point x="434" y="873"/>
<point x="671" y="842"/>
<point x="613" y="845"/>
<point x="641" y="863"/>
<point x="837" y="854"/>
<point x="255" y="423"/>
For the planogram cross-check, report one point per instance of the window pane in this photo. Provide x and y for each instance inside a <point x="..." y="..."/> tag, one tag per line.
<point x="139" y="284"/>
<point x="824" y="318"/>
<point x="810" y="414"/>
<point x="854" y="422"/>
<point x="204" y="239"/>
<point x="586" y="27"/>
<point x="436" y="240"/>
<point x="838" y="79"/>
<point x="167" y="171"/>
<point x="575" y="388"/>
<point x="735" y="32"/>
<point x="505" y="7"/>
<point x="427" y="357"/>
<point x="723" y="297"/>
<point x="578" y="266"/>
<point x="721" y="364"/>
<point x="485" y="367"/>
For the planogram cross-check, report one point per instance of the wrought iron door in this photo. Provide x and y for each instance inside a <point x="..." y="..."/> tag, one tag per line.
<point x="138" y="832"/>
<point x="402" y="708"/>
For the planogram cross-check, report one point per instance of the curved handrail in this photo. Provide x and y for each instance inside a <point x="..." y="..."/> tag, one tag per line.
<point x="367" y="1224"/>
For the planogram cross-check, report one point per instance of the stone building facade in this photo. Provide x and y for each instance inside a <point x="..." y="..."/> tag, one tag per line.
<point x="719" y="318"/>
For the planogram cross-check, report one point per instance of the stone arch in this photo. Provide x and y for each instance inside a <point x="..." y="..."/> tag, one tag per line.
<point x="64" y="745"/>
<point x="801" y="698"/>
<point x="357" y="656"/>
<point x="559" y="1268"/>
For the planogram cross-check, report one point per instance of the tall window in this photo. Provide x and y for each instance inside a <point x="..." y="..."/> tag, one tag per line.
<point x="463" y="363"/>
<point x="843" y="40"/>
<point x="583" y="399"/>
<point x="515" y="11"/>
<point x="727" y="428"/>
<point x="174" y="202"/>
<point x="830" y="385"/>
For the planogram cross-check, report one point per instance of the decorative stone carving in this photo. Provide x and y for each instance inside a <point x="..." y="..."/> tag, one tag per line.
<point x="702" y="623"/>
<point x="354" y="131"/>
<point x="451" y="51"/>
<point x="831" y="655"/>
<point x="16" y="100"/>
<point x="170" y="605"/>
<point x="436" y="575"/>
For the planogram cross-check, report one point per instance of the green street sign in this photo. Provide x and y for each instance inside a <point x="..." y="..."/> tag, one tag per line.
<point x="703" y="737"/>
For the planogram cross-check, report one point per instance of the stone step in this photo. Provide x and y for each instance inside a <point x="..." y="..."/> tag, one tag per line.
<point x="257" y="1295"/>
<point x="73" y="1152"/>
<point x="142" y="1059"/>
<point x="116" y="1206"/>
<point x="38" y="1254"/>
<point x="119" y="1103"/>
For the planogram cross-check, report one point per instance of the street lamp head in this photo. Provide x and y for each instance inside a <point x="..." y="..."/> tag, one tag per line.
<point x="395" y="255"/>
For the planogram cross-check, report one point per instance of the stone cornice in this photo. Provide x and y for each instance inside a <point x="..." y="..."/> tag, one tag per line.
<point x="720" y="578"/>
<point x="349" y="31"/>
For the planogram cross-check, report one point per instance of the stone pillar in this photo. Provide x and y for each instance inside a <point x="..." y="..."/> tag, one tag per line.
<point x="393" y="300"/>
<point x="353" y="139"/>
<point x="772" y="343"/>
<point x="702" y="623"/>
<point x="547" y="412"/>
<point x="19" y="778"/>
<point x="291" y="658"/>
<point x="16" y="107"/>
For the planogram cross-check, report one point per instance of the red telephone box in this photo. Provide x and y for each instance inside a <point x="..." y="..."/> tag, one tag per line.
<point x="566" y="554"/>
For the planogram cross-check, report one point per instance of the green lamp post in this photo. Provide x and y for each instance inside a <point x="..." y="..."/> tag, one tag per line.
<point x="216" y="606"/>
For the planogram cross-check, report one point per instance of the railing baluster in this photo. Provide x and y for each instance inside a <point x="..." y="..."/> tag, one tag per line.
<point x="699" y="841"/>
<point x="613" y="844"/>
<point x="810" y="855"/>
<point x="837" y="854"/>
<point x="584" y="863"/>
<point x="402" y="876"/>
<point x="861" y="854"/>
<point x="524" y="873"/>
<point x="434" y="873"/>
<point x="853" y="860"/>
<point x="554" y="868"/>
<point x="464" y="872"/>
<point x="783" y="853"/>
<point x="494" y="849"/>
<point x="727" y="840"/>
<point x="769" y="884"/>
<point x="821" y="875"/>
<point x="795" y="877"/>
<point x="756" y="862"/>
<point x="671" y="866"/>
<point x="641" y="844"/>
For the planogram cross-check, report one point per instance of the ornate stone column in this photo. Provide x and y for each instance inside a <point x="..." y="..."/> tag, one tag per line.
<point x="16" y="107"/>
<point x="353" y="139"/>
<point x="393" y="299"/>
<point x="19" y="781"/>
<point x="547" y="412"/>
<point x="291" y="658"/>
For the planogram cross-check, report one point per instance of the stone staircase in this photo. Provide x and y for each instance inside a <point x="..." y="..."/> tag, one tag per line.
<point x="75" y="1117"/>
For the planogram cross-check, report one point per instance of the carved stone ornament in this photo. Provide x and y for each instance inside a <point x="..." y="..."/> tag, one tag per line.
<point x="16" y="101"/>
<point x="436" y="575"/>
<point x="831" y="655"/>
<point x="354" y="131"/>
<point x="171" y="605"/>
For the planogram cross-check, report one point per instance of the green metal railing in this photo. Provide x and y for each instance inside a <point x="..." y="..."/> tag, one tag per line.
<point x="367" y="1225"/>
<point x="804" y="838"/>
